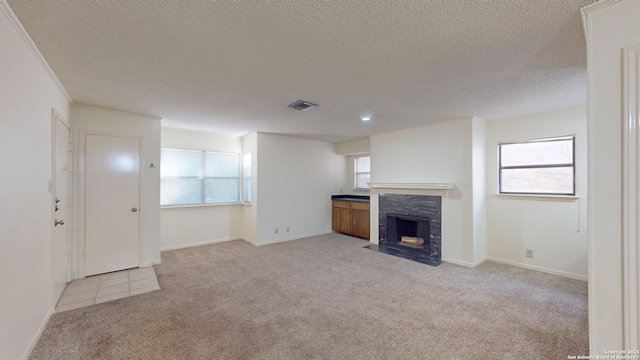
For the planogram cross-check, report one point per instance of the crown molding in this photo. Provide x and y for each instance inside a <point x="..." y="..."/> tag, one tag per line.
<point x="586" y="10"/>
<point x="6" y="9"/>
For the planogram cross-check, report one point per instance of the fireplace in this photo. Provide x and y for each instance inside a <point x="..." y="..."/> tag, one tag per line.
<point x="416" y="219"/>
<point x="408" y="231"/>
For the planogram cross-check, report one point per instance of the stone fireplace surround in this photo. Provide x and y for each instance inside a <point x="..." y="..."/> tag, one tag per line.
<point x="420" y="208"/>
<point x="420" y="201"/>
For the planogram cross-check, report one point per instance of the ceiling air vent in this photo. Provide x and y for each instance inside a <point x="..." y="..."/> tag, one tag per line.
<point x="302" y="105"/>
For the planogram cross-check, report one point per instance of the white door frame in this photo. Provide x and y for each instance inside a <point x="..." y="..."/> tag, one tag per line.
<point x="82" y="136"/>
<point x="56" y="116"/>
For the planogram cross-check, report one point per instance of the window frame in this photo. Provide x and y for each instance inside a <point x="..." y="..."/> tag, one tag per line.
<point x="356" y="173"/>
<point x="571" y="138"/>
<point x="246" y="178"/>
<point x="204" y="178"/>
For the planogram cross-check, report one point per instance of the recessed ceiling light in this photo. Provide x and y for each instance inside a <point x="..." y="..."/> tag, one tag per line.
<point x="365" y="117"/>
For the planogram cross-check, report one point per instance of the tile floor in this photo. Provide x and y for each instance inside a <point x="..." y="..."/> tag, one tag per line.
<point x="107" y="287"/>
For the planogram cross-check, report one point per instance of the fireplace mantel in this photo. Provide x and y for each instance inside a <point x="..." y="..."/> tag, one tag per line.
<point x="425" y="186"/>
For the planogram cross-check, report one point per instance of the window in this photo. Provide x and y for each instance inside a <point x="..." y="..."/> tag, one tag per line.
<point x="542" y="166"/>
<point x="362" y="172"/>
<point x="189" y="177"/>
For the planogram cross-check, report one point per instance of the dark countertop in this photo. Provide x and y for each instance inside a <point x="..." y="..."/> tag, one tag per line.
<point x="362" y="198"/>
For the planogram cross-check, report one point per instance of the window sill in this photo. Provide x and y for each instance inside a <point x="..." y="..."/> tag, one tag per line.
<point x="197" y="205"/>
<point x="538" y="197"/>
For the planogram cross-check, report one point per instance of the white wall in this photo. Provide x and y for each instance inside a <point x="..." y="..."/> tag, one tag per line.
<point x="27" y="96"/>
<point x="101" y="121"/>
<point x="479" y="173"/>
<point x="609" y="30"/>
<point x="441" y="152"/>
<point x="197" y="225"/>
<point x="555" y="229"/>
<point x="353" y="147"/>
<point x="297" y="178"/>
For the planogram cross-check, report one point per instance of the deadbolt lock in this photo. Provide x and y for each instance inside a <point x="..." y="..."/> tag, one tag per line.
<point x="134" y="209"/>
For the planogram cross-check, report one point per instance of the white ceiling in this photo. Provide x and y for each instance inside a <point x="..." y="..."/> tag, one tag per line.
<point x="231" y="67"/>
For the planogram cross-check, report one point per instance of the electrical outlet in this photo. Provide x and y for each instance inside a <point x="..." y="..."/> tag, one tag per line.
<point x="276" y="231"/>
<point x="287" y="229"/>
<point x="528" y="253"/>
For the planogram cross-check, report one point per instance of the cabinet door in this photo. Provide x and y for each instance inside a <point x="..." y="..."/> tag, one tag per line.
<point x="355" y="222"/>
<point x="345" y="220"/>
<point x="360" y="223"/>
<point x="335" y="218"/>
<point x="364" y="224"/>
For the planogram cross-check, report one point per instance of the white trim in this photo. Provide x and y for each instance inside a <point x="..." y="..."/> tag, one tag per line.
<point x="539" y="268"/>
<point x="425" y="186"/>
<point x="184" y="246"/>
<point x="56" y="116"/>
<point x="631" y="196"/>
<point x="465" y="263"/>
<point x="37" y="335"/>
<point x="275" y="241"/>
<point x="537" y="197"/>
<point x="150" y="263"/>
<point x="4" y="6"/>
<point x="591" y="8"/>
<point x="201" y="205"/>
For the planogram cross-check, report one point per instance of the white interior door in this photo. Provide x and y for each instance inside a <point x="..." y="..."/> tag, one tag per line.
<point x="61" y="207"/>
<point x="112" y="197"/>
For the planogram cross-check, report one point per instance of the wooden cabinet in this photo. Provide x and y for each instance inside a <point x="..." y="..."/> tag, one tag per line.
<point x="360" y="219"/>
<point x="351" y="218"/>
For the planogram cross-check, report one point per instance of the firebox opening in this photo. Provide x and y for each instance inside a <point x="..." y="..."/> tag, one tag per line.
<point x="408" y="231"/>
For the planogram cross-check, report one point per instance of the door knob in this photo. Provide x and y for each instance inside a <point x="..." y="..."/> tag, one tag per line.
<point x="134" y="209"/>
<point x="58" y="222"/>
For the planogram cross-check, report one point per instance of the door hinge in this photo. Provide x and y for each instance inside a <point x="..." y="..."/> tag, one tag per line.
<point x="70" y="147"/>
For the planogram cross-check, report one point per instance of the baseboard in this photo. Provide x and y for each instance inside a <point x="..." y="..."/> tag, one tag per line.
<point x="36" y="337"/>
<point x="540" y="268"/>
<point x="150" y="263"/>
<point x="299" y="237"/>
<point x="184" y="246"/>
<point x="465" y="263"/>
<point x="479" y="261"/>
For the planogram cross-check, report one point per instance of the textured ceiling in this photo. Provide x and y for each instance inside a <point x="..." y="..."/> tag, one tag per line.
<point x="231" y="67"/>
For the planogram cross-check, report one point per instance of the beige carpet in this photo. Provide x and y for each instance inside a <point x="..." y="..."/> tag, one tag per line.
<point x="327" y="298"/>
